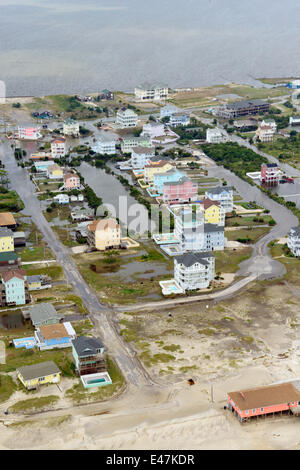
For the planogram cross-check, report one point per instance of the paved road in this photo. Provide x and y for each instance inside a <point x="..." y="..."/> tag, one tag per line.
<point x="100" y="314"/>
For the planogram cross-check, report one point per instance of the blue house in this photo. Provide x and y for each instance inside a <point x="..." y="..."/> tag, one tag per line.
<point x="179" y="119"/>
<point x="57" y="335"/>
<point x="171" y="176"/>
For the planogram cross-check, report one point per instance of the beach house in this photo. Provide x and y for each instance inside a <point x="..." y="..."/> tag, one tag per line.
<point x="173" y="175"/>
<point x="126" y="118"/>
<point x="58" y="147"/>
<point x="58" y="335"/>
<point x="38" y="374"/>
<point x="213" y="212"/>
<point x="71" y="181"/>
<point x="223" y="195"/>
<point x="140" y="156"/>
<point x="71" y="128"/>
<point x="294" y="241"/>
<point x="104" y="234"/>
<point x="14" y="287"/>
<point x="151" y="92"/>
<point x="181" y="191"/>
<point x="193" y="271"/>
<point x="156" y="167"/>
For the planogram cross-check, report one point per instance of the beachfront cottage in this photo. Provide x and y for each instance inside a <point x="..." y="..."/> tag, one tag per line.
<point x="90" y="363"/>
<point x="6" y="240"/>
<point x="213" y="212"/>
<point x="294" y="241"/>
<point x="71" y="181"/>
<point x="271" y="399"/>
<point x="181" y="191"/>
<point x="193" y="271"/>
<point x="7" y="220"/>
<point x="126" y="118"/>
<point x="172" y="175"/>
<point x="104" y="234"/>
<point x="223" y="195"/>
<point x="71" y="128"/>
<point x="39" y="374"/>
<point x="58" y="335"/>
<point x="270" y="174"/>
<point x="140" y="156"/>
<point x="42" y="314"/>
<point x="151" y="92"/>
<point x="58" y="147"/>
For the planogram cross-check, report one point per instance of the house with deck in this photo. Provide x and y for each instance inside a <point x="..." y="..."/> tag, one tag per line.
<point x="57" y="335"/>
<point x="223" y="195"/>
<point x="14" y="287"/>
<point x="35" y="375"/>
<point x="90" y="362"/>
<point x="275" y="399"/>
<point x="7" y="220"/>
<point x="157" y="166"/>
<point x="71" y="128"/>
<point x="193" y="271"/>
<point x="213" y="212"/>
<point x="58" y="147"/>
<point x="126" y="118"/>
<point x="43" y="314"/>
<point x="104" y="234"/>
<point x="182" y="191"/>
<point x="140" y="157"/>
<point x="172" y="175"/>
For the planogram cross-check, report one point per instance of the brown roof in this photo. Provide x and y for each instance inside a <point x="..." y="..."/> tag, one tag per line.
<point x="208" y="202"/>
<point x="103" y="225"/>
<point x="58" y="330"/>
<point x="159" y="164"/>
<point x="6" y="218"/>
<point x="8" y="275"/>
<point x="70" y="175"/>
<point x="59" y="140"/>
<point x="265" y="396"/>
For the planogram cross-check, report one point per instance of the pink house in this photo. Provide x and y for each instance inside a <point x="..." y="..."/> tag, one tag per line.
<point x="270" y="174"/>
<point x="277" y="398"/>
<point x="71" y="181"/>
<point x="184" y="190"/>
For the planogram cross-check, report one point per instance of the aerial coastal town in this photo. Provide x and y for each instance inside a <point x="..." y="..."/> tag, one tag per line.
<point x="149" y="259"/>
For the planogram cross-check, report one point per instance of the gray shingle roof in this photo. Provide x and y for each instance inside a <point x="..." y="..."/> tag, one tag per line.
<point x="188" y="259"/>
<point x="213" y="228"/>
<point x="42" y="313"/>
<point x="86" y="346"/>
<point x="6" y="232"/>
<point x="219" y="189"/>
<point x="296" y="231"/>
<point x="35" y="371"/>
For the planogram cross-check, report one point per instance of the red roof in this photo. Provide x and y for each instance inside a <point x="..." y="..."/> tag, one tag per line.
<point x="8" y="275"/>
<point x="208" y="202"/>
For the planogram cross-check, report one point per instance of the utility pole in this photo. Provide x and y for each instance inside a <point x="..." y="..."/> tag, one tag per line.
<point x="211" y="392"/>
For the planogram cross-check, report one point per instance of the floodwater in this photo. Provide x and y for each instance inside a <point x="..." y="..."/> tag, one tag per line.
<point x="57" y="46"/>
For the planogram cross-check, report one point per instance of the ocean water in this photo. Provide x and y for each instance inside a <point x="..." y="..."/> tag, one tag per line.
<point x="51" y="46"/>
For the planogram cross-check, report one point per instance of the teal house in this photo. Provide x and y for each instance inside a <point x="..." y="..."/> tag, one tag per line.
<point x="90" y="363"/>
<point x="15" y="287"/>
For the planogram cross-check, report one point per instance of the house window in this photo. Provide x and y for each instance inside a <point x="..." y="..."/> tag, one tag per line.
<point x="254" y="411"/>
<point x="261" y="409"/>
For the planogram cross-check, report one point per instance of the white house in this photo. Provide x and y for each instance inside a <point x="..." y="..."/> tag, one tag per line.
<point x="140" y="156"/>
<point x="294" y="241"/>
<point x="61" y="199"/>
<point x="271" y="123"/>
<point x="223" y="195"/>
<point x="128" y="142"/>
<point x="71" y="128"/>
<point x="58" y="147"/>
<point x="28" y="133"/>
<point x="151" y="92"/>
<point x="189" y="230"/>
<point x="265" y="133"/>
<point x="193" y="271"/>
<point x="126" y="118"/>
<point x="295" y="121"/>
<point x="106" y="145"/>
<point x="215" y="136"/>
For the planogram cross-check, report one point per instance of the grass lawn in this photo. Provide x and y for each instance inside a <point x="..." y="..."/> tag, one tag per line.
<point x="248" y="221"/>
<point x="10" y="201"/>
<point x="33" y="404"/>
<point x="7" y="387"/>
<point x="23" y="357"/>
<point x="78" y="393"/>
<point x="35" y="253"/>
<point x="55" y="272"/>
<point x="254" y="234"/>
<point x="64" y="236"/>
<point x="228" y="261"/>
<point x="62" y="212"/>
<point x="291" y="263"/>
<point x="285" y="149"/>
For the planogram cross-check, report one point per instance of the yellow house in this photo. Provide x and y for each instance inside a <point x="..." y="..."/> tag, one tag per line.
<point x="6" y="240"/>
<point x="104" y="234"/>
<point x="213" y="212"/>
<point x="55" y="172"/>
<point x="39" y="374"/>
<point x="161" y="166"/>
